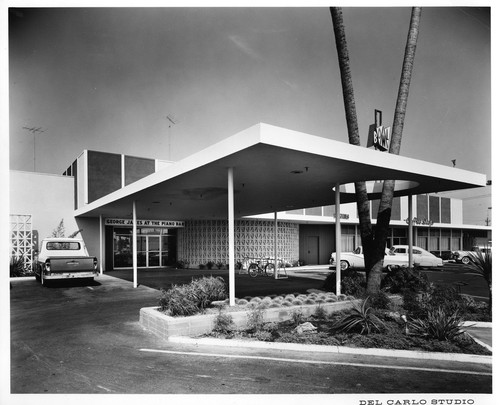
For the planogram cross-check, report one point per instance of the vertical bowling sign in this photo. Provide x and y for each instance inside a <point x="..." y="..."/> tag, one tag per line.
<point x="378" y="135"/>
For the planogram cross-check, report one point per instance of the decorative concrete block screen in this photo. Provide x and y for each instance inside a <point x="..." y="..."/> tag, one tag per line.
<point x="21" y="239"/>
<point x="202" y="241"/>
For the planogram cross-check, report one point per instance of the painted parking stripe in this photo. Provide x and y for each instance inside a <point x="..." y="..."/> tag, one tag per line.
<point x="332" y="363"/>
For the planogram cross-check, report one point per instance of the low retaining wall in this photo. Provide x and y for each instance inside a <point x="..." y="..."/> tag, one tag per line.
<point x="165" y="326"/>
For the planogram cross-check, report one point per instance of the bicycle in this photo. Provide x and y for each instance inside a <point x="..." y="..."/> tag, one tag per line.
<point x="261" y="267"/>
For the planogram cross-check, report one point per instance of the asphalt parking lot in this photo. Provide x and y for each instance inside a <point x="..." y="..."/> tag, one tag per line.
<point x="77" y="337"/>
<point x="300" y="279"/>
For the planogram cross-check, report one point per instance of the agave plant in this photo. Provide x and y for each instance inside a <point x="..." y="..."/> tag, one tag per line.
<point x="480" y="263"/>
<point x="438" y="325"/>
<point x="362" y="320"/>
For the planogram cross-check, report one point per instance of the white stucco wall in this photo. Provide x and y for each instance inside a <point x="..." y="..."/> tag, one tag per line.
<point x="48" y="198"/>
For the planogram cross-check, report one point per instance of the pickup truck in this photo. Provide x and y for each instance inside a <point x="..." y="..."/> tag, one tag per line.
<point x="64" y="258"/>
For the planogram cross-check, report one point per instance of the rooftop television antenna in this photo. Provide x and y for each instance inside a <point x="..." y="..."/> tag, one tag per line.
<point x="34" y="131"/>
<point x="171" y="121"/>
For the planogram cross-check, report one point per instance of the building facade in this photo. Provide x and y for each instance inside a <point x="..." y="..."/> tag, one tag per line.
<point x="40" y="203"/>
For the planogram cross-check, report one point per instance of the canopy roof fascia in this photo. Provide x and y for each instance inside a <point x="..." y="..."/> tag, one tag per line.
<point x="275" y="169"/>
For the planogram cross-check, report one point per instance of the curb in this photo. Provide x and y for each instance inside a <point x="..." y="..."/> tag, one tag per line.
<point x="469" y="324"/>
<point x="253" y="344"/>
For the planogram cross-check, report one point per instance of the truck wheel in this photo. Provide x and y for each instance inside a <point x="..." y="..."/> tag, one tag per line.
<point x="465" y="260"/>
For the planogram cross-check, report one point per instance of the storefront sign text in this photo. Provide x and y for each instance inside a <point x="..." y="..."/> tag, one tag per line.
<point x="419" y="221"/>
<point x="144" y="222"/>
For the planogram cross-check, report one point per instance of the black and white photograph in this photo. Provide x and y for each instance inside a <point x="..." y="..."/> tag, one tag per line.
<point x="248" y="202"/>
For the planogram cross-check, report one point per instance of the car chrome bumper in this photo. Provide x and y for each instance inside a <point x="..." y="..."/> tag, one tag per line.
<point x="58" y="276"/>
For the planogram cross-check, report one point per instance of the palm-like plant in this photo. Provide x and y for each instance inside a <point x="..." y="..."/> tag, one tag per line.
<point x="374" y="240"/>
<point x="361" y="320"/>
<point x="438" y="325"/>
<point x="481" y="263"/>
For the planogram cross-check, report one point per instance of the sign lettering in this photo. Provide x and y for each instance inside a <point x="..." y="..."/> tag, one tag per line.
<point x="420" y="221"/>
<point x="147" y="222"/>
<point x="382" y="138"/>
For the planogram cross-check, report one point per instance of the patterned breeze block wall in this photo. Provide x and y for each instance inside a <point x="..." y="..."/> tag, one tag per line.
<point x="207" y="240"/>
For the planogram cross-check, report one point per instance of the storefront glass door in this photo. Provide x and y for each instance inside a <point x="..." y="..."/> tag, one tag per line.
<point x="152" y="248"/>
<point x="142" y="251"/>
<point x="153" y="251"/>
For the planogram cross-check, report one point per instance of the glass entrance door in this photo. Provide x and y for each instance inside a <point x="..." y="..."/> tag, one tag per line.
<point x="155" y="248"/>
<point x="153" y="251"/>
<point x="142" y="251"/>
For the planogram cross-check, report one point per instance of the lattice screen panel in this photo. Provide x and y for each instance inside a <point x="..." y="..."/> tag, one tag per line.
<point x="202" y="241"/>
<point x="21" y="237"/>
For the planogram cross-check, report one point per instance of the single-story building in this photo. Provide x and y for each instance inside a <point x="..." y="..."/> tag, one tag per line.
<point x="262" y="189"/>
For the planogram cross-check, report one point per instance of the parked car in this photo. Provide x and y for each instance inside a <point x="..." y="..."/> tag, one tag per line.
<point x="421" y="257"/>
<point x="464" y="257"/>
<point x="356" y="260"/>
<point x="63" y="258"/>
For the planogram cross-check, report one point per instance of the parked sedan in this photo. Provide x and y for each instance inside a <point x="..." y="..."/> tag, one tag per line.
<point x="464" y="257"/>
<point x="421" y="257"/>
<point x="356" y="260"/>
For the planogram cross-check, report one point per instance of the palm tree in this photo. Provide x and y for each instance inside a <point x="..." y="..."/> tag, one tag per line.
<point x="481" y="263"/>
<point x="363" y="204"/>
<point x="374" y="240"/>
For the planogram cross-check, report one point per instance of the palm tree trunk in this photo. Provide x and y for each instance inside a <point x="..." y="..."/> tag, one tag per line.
<point x="385" y="207"/>
<point x="363" y="203"/>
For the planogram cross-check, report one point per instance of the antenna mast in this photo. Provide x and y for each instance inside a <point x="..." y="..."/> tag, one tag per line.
<point x="172" y="121"/>
<point x="34" y="130"/>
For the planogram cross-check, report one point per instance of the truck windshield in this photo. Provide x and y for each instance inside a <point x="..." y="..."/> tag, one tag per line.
<point x="63" y="245"/>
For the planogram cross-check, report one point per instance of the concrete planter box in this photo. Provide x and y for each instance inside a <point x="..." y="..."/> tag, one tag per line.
<point x="165" y="326"/>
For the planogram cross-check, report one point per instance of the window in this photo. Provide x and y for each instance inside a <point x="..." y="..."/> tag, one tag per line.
<point x="445" y="210"/>
<point x="313" y="211"/>
<point x="422" y="206"/>
<point x="63" y="245"/>
<point x="434" y="209"/>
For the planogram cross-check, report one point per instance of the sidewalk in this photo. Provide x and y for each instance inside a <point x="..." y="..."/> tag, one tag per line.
<point x="481" y="332"/>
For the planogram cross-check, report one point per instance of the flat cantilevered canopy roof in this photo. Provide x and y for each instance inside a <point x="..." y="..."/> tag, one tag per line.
<point x="275" y="169"/>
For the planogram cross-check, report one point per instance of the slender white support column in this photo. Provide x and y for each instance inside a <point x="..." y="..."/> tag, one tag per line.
<point x="338" y="237"/>
<point x="230" y="217"/>
<point x="275" y="245"/>
<point x="410" y="231"/>
<point x="134" y="243"/>
<point x="101" y="244"/>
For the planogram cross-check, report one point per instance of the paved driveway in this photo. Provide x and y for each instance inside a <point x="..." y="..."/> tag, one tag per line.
<point x="79" y="338"/>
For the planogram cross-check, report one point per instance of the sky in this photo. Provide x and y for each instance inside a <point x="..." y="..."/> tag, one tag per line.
<point x="108" y="79"/>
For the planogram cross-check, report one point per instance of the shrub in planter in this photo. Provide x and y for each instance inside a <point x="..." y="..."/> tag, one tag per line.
<point x="179" y="300"/>
<point x="361" y="320"/>
<point x="438" y="325"/>
<point x="16" y="267"/>
<point x="297" y="317"/>
<point x="181" y="264"/>
<point x="405" y="278"/>
<point x="320" y="313"/>
<point x="352" y="283"/>
<point x="413" y="304"/>
<point x="210" y="265"/>
<point x="223" y="324"/>
<point x="192" y="298"/>
<point x="380" y="300"/>
<point x="255" y="319"/>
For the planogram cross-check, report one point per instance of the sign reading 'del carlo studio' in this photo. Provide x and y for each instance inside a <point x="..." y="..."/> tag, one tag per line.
<point x="144" y="222"/>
